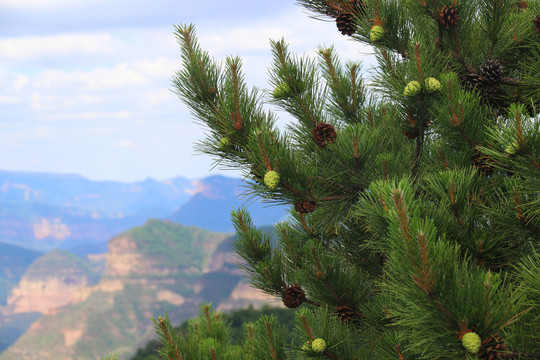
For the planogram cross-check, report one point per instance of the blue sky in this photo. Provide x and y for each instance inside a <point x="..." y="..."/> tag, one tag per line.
<point x="85" y="84"/>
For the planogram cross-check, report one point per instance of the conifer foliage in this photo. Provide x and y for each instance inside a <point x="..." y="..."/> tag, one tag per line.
<point x="415" y="202"/>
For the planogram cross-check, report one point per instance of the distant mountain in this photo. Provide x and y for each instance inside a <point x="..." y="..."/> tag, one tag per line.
<point x="158" y="267"/>
<point x="41" y="211"/>
<point x="215" y="197"/>
<point x="95" y="199"/>
<point x="44" y="211"/>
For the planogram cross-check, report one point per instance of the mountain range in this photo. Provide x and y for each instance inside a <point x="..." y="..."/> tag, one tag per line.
<point x="91" y="307"/>
<point x="42" y="211"/>
<point x="85" y="264"/>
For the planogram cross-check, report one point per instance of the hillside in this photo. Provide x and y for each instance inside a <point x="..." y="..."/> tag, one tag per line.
<point x="158" y="267"/>
<point x="50" y="282"/>
<point x="14" y="261"/>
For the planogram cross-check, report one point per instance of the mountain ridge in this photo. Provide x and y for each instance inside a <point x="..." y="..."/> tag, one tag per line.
<point x="41" y="211"/>
<point x="160" y="266"/>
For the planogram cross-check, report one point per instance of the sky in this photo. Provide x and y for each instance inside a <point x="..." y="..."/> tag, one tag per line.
<point x="85" y="85"/>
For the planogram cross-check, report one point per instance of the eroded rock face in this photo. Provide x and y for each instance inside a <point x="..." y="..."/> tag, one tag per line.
<point x="52" y="281"/>
<point x="122" y="258"/>
<point x="45" y="295"/>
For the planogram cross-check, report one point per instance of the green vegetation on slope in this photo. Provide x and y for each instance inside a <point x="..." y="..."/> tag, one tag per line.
<point x="14" y="261"/>
<point x="235" y="319"/>
<point x="59" y="262"/>
<point x="14" y="326"/>
<point x="168" y="240"/>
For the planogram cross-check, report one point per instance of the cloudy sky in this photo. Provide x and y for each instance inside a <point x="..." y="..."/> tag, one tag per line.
<point x="85" y="84"/>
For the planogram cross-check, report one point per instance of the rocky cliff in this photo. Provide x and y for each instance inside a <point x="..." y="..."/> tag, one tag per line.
<point x="158" y="267"/>
<point x="49" y="283"/>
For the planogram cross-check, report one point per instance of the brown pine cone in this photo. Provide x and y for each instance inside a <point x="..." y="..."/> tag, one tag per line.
<point x="472" y="81"/>
<point x="485" y="164"/>
<point x="411" y="133"/>
<point x="293" y="297"/>
<point x="345" y="313"/>
<point x="449" y="16"/>
<point x="536" y="23"/>
<point x="304" y="206"/>
<point x="324" y="134"/>
<point x="520" y="5"/>
<point x="493" y="348"/>
<point x="345" y="24"/>
<point x="491" y="71"/>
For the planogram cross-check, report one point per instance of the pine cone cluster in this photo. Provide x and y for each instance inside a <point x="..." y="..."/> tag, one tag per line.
<point x="345" y="313"/>
<point x="304" y="206"/>
<point x="536" y="23"/>
<point x="324" y="134"/>
<point x="293" y="297"/>
<point x="493" y="348"/>
<point x="449" y="16"/>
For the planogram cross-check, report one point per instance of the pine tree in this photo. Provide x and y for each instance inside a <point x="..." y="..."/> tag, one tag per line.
<point x="415" y="201"/>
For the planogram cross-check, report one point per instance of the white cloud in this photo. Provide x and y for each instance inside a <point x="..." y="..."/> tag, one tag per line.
<point x="124" y="144"/>
<point x="10" y="99"/>
<point x="24" y="48"/>
<point x="158" y="96"/>
<point x="20" y="82"/>
<point x="91" y="115"/>
<point x="94" y="80"/>
<point x="161" y="67"/>
<point x="97" y="79"/>
<point x="119" y="76"/>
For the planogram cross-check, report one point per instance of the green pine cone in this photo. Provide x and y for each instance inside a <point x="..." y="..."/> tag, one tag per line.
<point x="432" y="84"/>
<point x="224" y="142"/>
<point x="271" y="179"/>
<point x="282" y="91"/>
<point x="472" y="342"/>
<point x="376" y="33"/>
<point x="318" y="345"/>
<point x="412" y="88"/>
<point x="306" y="346"/>
<point x="512" y="148"/>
